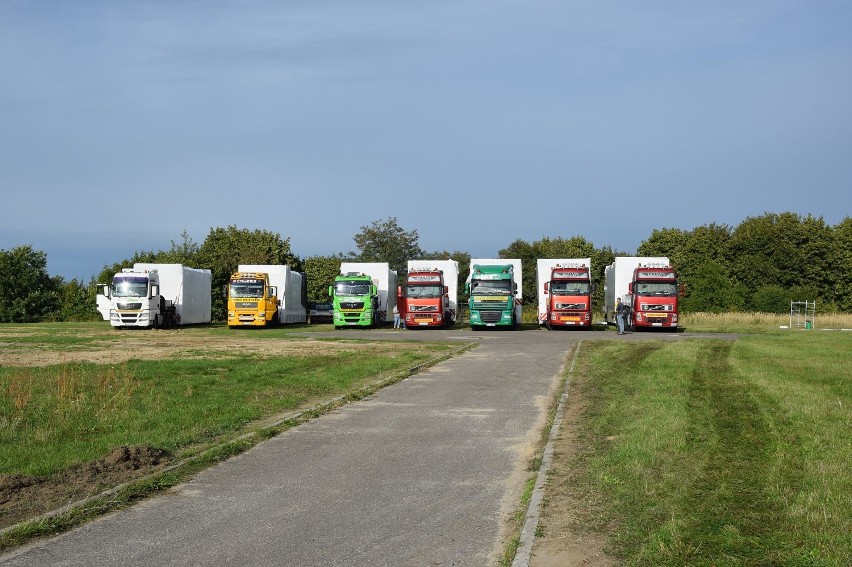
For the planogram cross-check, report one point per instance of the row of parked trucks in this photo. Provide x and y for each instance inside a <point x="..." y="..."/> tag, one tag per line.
<point x="365" y="294"/>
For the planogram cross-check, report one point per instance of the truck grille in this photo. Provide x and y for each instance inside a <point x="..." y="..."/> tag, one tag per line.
<point x="352" y="305"/>
<point x="490" y="316"/>
<point x="129" y="306"/>
<point x="245" y="305"/>
<point x="650" y="307"/>
<point x="576" y="306"/>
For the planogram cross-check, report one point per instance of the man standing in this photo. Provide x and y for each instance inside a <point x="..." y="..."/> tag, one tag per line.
<point x="621" y="312"/>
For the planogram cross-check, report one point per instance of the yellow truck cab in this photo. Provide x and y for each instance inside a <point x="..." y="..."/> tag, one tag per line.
<point x="252" y="302"/>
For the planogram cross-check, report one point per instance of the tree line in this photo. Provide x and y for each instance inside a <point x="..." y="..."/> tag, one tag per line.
<point x="760" y="265"/>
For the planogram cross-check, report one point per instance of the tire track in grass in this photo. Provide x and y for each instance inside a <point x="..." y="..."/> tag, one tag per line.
<point x="732" y="514"/>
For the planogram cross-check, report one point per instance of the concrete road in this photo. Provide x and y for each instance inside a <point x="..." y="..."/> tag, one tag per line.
<point x="425" y="472"/>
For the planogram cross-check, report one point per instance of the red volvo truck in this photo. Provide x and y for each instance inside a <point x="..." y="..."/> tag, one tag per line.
<point x="429" y="296"/>
<point x="564" y="292"/>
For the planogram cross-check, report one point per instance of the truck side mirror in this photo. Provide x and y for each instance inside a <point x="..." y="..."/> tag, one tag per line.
<point x="331" y="291"/>
<point x="467" y="288"/>
<point x="225" y="291"/>
<point x="446" y="290"/>
<point x="630" y="288"/>
<point x="373" y="290"/>
<point x="594" y="287"/>
<point x="515" y="288"/>
<point x="273" y="291"/>
<point x="155" y="290"/>
<point x="546" y="288"/>
<point x="399" y="291"/>
<point x="105" y="290"/>
<point x="682" y="290"/>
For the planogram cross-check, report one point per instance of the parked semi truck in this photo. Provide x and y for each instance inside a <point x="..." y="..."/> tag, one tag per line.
<point x="266" y="295"/>
<point x="429" y="295"/>
<point x="495" y="292"/>
<point x="156" y="295"/>
<point x="363" y="294"/>
<point x="648" y="284"/>
<point x="564" y="292"/>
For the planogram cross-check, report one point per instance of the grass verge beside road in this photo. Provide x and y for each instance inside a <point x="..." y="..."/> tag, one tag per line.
<point x="192" y="396"/>
<point x="711" y="452"/>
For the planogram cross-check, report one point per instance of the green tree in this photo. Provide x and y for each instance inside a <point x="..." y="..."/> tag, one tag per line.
<point x="841" y="259"/>
<point x="77" y="301"/>
<point x="185" y="252"/>
<point x="668" y="242"/>
<point x="27" y="293"/>
<point x="225" y="248"/>
<point x="712" y="291"/>
<point x="528" y="254"/>
<point x="771" y="298"/>
<point x="386" y="241"/>
<point x="320" y="272"/>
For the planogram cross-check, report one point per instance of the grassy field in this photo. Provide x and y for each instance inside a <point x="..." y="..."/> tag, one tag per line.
<point x="189" y="387"/>
<point x="758" y="322"/>
<point x="715" y="452"/>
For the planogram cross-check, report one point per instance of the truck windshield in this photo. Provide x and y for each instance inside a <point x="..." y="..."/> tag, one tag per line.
<point x="352" y="288"/>
<point x="656" y="288"/>
<point x="424" y="291"/>
<point x="569" y="288"/>
<point x="130" y="287"/>
<point x="247" y="290"/>
<point x="492" y="287"/>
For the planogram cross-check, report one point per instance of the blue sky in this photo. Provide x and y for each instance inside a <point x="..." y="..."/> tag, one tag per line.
<point x="475" y="122"/>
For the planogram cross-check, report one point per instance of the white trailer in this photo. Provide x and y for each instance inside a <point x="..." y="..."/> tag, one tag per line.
<point x="450" y="269"/>
<point x="290" y="290"/>
<point x="617" y="278"/>
<point x="383" y="278"/>
<point x="544" y="269"/>
<point x="156" y="295"/>
<point x="518" y="276"/>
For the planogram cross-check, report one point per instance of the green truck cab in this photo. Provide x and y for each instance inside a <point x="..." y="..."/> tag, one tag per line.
<point x="355" y="301"/>
<point x="494" y="295"/>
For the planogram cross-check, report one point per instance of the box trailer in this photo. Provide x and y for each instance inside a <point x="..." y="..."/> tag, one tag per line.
<point x="290" y="289"/>
<point x="157" y="295"/>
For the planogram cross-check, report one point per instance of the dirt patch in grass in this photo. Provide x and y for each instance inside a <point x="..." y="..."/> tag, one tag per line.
<point x="26" y="497"/>
<point x="570" y="531"/>
<point x="170" y="344"/>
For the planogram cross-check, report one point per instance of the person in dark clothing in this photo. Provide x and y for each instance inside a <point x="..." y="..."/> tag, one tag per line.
<point x="622" y="311"/>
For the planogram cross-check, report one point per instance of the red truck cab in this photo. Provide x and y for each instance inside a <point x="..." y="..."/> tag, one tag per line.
<point x="569" y="297"/>
<point x="654" y="297"/>
<point x="424" y="299"/>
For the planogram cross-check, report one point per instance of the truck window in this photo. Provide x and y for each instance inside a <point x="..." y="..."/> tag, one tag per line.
<point x="569" y="288"/>
<point x="130" y="287"/>
<point x="243" y="290"/>
<point x="424" y="291"/>
<point x="352" y="288"/>
<point x="657" y="288"/>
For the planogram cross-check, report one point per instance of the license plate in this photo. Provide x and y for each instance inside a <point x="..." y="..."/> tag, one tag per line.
<point x="569" y="319"/>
